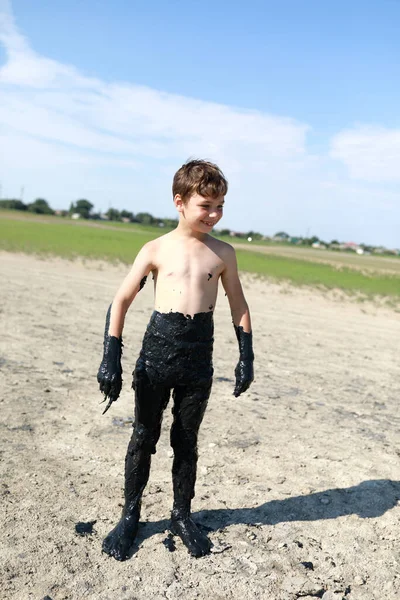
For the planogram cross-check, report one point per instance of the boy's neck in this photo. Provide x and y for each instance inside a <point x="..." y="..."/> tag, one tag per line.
<point x="183" y="230"/>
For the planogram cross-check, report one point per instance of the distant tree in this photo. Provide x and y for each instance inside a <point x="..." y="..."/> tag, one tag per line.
<point x="126" y="214"/>
<point x="310" y="241"/>
<point x="224" y="232"/>
<point x="283" y="235"/>
<point x="145" y="218"/>
<point x="334" y="242"/>
<point x="41" y="207"/>
<point x="113" y="214"/>
<point x="171" y="223"/>
<point x="254" y="235"/>
<point x="13" y="204"/>
<point x="82" y="207"/>
<point x="366" y="247"/>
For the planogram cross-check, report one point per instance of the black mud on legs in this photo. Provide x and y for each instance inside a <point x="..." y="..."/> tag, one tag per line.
<point x="189" y="407"/>
<point x="176" y="354"/>
<point x="119" y="541"/>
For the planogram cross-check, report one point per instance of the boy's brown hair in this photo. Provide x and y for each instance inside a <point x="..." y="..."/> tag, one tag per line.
<point x="199" y="177"/>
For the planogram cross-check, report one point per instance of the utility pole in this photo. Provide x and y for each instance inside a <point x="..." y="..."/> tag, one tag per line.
<point x="21" y="196"/>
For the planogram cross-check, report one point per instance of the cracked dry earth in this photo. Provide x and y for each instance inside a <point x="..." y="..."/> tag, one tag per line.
<point x="298" y="480"/>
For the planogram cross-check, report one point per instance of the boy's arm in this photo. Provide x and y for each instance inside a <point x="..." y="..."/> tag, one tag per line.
<point x="109" y="375"/>
<point x="128" y="289"/>
<point x="244" y="372"/>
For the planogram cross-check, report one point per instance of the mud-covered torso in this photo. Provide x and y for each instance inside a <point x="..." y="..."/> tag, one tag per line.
<point x="186" y="275"/>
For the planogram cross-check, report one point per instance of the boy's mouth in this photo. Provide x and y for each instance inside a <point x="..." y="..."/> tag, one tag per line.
<point x="208" y="223"/>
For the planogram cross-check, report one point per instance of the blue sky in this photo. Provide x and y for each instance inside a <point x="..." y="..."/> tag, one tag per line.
<point x="297" y="101"/>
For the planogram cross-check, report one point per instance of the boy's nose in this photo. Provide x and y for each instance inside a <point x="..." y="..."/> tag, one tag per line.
<point x="212" y="213"/>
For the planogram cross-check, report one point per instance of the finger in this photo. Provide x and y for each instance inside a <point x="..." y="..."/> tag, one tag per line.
<point x="115" y="390"/>
<point x="113" y="395"/>
<point x="106" y="388"/>
<point x="107" y="407"/>
<point x="245" y="386"/>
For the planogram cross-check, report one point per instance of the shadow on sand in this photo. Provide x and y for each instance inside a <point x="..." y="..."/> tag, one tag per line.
<point x="368" y="499"/>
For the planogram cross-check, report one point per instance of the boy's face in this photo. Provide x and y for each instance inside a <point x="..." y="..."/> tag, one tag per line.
<point x="201" y="213"/>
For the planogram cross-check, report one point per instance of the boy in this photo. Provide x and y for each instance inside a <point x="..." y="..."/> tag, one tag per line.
<point x="177" y="348"/>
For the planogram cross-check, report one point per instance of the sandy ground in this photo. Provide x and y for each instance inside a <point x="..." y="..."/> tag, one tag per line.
<point x="298" y="480"/>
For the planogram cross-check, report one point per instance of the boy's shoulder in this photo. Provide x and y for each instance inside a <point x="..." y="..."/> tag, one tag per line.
<point x="155" y="244"/>
<point x="223" y="248"/>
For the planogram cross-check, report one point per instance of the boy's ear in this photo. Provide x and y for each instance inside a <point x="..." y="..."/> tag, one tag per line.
<point x="178" y="202"/>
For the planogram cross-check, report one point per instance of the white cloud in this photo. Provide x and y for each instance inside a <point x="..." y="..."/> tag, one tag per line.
<point x="370" y="153"/>
<point x="52" y="101"/>
<point x="68" y="136"/>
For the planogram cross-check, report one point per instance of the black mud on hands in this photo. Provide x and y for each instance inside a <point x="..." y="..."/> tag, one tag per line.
<point x="244" y="371"/>
<point x="109" y="375"/>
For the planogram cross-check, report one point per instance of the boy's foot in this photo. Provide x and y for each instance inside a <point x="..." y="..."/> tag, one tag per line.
<point x="119" y="541"/>
<point x="195" y="541"/>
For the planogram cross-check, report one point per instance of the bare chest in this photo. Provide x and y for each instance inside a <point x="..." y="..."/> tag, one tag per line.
<point x="195" y="267"/>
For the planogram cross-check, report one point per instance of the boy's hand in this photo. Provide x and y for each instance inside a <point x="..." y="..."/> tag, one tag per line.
<point x="244" y="374"/>
<point x="109" y="375"/>
<point x="244" y="371"/>
<point x="110" y="371"/>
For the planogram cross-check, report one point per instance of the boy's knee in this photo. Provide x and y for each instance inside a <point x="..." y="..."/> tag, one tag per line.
<point x="184" y="442"/>
<point x="142" y="439"/>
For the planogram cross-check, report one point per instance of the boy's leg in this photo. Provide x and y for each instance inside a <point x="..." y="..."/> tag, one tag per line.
<point x="150" y="402"/>
<point x="189" y="406"/>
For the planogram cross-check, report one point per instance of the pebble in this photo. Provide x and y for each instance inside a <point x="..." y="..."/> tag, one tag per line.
<point x="358" y="580"/>
<point x="219" y="547"/>
<point x="325" y="500"/>
<point x="332" y="596"/>
<point x="122" y="421"/>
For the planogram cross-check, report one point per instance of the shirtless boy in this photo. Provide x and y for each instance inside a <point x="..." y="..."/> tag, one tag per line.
<point x="177" y="348"/>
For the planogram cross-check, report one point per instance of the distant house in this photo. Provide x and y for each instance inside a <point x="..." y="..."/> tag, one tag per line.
<point x="352" y="246"/>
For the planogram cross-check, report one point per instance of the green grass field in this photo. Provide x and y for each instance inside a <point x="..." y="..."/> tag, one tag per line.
<point x="49" y="236"/>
